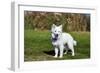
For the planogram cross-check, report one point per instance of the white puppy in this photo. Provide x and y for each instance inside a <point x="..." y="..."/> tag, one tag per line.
<point x="60" y="40"/>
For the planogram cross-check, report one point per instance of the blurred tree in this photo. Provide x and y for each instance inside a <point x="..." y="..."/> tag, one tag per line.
<point x="44" y="20"/>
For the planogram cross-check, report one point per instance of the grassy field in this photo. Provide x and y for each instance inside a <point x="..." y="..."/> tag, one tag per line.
<point x="38" y="47"/>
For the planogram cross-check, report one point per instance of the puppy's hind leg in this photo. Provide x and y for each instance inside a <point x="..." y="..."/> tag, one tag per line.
<point x="73" y="54"/>
<point x="71" y="47"/>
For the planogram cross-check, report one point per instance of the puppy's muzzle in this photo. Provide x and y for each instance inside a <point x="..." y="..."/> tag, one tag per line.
<point x="55" y="37"/>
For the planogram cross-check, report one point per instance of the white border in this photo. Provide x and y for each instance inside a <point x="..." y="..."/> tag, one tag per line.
<point x="17" y="61"/>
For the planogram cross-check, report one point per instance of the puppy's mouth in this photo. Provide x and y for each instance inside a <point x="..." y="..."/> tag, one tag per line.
<point x="55" y="38"/>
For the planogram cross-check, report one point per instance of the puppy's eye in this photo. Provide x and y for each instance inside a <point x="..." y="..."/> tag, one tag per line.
<point x="55" y="30"/>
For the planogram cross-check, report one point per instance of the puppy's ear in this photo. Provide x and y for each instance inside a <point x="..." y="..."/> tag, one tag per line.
<point x="60" y="26"/>
<point x="53" y="26"/>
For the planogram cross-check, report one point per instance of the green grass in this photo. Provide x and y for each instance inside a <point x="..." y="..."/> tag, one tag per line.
<point x="38" y="47"/>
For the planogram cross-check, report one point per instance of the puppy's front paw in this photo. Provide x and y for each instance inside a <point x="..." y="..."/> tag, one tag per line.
<point x="73" y="54"/>
<point x="60" y="56"/>
<point x="55" y="56"/>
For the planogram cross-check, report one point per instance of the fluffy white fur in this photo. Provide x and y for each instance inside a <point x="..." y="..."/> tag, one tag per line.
<point x="59" y="39"/>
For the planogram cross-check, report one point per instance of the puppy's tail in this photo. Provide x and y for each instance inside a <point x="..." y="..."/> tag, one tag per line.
<point x="75" y="43"/>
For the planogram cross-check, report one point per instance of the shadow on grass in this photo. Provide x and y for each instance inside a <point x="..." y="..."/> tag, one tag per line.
<point x="51" y="52"/>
